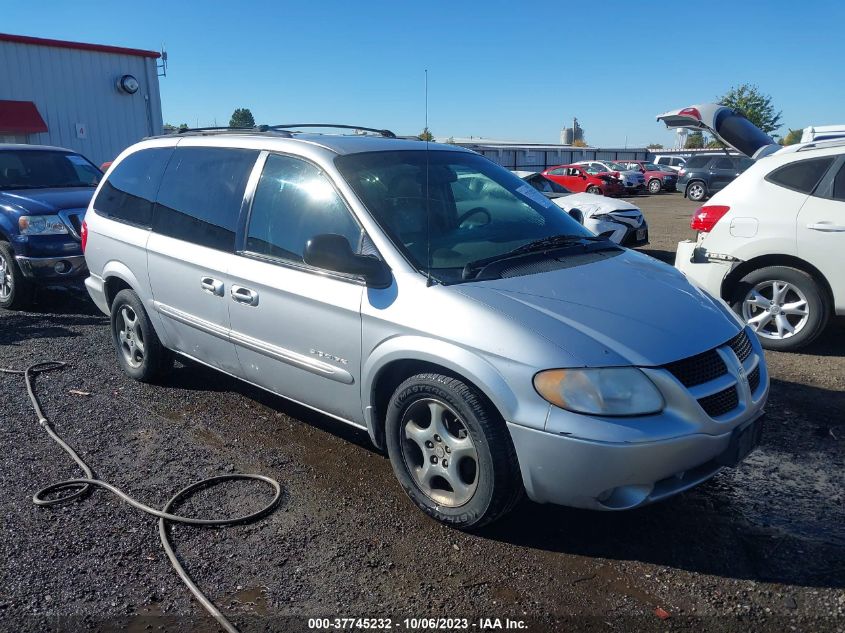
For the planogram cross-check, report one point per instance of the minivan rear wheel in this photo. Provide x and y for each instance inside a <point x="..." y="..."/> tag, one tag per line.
<point x="139" y="350"/>
<point x="785" y="306"/>
<point x="451" y="451"/>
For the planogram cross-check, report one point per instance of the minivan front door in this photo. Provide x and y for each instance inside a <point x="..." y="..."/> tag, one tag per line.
<point x="297" y="330"/>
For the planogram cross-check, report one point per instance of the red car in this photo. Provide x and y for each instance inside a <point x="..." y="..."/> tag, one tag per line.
<point x="574" y="178"/>
<point x="657" y="178"/>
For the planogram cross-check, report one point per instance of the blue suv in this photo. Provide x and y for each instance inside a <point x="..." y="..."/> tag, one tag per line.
<point x="44" y="192"/>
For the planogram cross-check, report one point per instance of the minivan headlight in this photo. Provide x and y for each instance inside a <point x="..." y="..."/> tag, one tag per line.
<point x="606" y="391"/>
<point x="41" y="225"/>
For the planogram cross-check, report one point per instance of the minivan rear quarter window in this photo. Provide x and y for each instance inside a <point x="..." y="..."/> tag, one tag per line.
<point x="802" y="175"/>
<point x="128" y="195"/>
<point x="201" y="195"/>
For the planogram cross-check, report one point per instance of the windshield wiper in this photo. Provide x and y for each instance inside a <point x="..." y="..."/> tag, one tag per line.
<point x="473" y="268"/>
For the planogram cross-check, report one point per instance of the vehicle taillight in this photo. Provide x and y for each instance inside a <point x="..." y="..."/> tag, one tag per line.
<point x="681" y="172"/>
<point x="706" y="217"/>
<point x="83" y="235"/>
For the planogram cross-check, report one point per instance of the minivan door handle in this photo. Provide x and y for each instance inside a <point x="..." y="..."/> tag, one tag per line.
<point x="212" y="286"/>
<point x="244" y="295"/>
<point x="826" y="227"/>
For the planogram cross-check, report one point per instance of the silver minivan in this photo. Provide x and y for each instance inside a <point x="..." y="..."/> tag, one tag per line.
<point x="482" y="337"/>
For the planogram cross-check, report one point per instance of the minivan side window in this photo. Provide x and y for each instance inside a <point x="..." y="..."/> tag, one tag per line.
<point x="294" y="201"/>
<point x="129" y="193"/>
<point x="839" y="184"/>
<point x="802" y="175"/>
<point x="201" y="195"/>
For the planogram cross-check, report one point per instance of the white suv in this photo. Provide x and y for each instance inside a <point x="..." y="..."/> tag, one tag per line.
<point x="771" y="244"/>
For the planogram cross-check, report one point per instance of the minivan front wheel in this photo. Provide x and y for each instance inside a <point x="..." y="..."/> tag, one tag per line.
<point x="784" y="306"/>
<point x="696" y="191"/>
<point x="139" y="351"/>
<point x="451" y="451"/>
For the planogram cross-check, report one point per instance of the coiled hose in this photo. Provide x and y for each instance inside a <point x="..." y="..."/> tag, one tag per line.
<point x="82" y="487"/>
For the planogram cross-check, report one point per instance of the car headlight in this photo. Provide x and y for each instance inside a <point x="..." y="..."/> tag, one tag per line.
<point x="41" y="225"/>
<point x="611" y="391"/>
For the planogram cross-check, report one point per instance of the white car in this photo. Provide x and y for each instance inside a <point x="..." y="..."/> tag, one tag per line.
<point x="771" y="243"/>
<point x="633" y="180"/>
<point x="675" y="163"/>
<point x="618" y="220"/>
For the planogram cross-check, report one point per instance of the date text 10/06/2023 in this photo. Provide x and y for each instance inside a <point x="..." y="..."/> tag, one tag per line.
<point x="416" y="624"/>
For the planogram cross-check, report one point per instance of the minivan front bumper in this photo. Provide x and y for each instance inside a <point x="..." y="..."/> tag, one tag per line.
<point x="617" y="476"/>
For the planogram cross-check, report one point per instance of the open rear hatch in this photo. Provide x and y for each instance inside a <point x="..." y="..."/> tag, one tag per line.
<point x="725" y="124"/>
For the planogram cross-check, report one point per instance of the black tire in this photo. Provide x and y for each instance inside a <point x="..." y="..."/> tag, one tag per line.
<point x="655" y="186"/>
<point x="593" y="189"/>
<point x="19" y="290"/>
<point x="817" y="302"/>
<point x="696" y="191"/>
<point x="155" y="361"/>
<point x="497" y="484"/>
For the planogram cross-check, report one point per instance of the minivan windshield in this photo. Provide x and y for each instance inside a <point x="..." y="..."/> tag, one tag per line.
<point x="474" y="209"/>
<point x="45" y="169"/>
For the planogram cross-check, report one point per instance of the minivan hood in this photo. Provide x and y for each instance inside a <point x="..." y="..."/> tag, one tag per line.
<point x="628" y="309"/>
<point x="726" y="124"/>
<point x="47" y="201"/>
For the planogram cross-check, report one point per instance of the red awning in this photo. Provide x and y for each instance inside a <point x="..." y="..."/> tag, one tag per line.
<point x="20" y="117"/>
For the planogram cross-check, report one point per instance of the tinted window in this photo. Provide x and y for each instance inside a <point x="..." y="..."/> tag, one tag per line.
<point x="839" y="184"/>
<point x="44" y="169"/>
<point x="201" y="195"/>
<point x="678" y="162"/>
<point x="697" y="162"/>
<point x="129" y="192"/>
<point x="723" y="163"/>
<point x="295" y="201"/>
<point x="801" y="176"/>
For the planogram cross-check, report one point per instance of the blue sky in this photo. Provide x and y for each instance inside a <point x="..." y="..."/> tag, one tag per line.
<point x="496" y="69"/>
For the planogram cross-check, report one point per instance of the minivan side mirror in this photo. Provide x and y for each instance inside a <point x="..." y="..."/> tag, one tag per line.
<point x="333" y="252"/>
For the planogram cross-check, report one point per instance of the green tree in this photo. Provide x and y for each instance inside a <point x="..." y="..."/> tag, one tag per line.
<point x="242" y="117"/>
<point x="791" y="137"/>
<point x="754" y="105"/>
<point x="695" y="140"/>
<point x="426" y="135"/>
<point x="654" y="146"/>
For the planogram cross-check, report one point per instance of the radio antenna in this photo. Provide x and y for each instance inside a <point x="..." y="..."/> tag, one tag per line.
<point x="427" y="135"/>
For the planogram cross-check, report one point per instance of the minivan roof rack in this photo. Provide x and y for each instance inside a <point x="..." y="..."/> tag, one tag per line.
<point x="286" y="130"/>
<point x="822" y="144"/>
<point x="287" y="126"/>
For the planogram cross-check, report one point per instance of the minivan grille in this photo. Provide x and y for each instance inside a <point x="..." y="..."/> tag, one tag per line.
<point x="754" y="379"/>
<point x="720" y="403"/>
<point x="698" y="369"/>
<point x="741" y="346"/>
<point x="708" y="366"/>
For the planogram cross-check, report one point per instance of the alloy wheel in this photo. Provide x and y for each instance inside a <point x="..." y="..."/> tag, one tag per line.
<point x="776" y="309"/>
<point x="654" y="186"/>
<point x="5" y="279"/>
<point x="130" y="336"/>
<point x="439" y="452"/>
<point x="695" y="191"/>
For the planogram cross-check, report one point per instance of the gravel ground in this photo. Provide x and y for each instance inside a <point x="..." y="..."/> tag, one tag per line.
<point x="759" y="548"/>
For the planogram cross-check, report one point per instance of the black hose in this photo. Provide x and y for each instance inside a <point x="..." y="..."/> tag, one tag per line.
<point x="83" y="487"/>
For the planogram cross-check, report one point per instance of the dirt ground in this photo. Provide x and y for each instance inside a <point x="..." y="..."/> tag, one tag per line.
<point x="758" y="548"/>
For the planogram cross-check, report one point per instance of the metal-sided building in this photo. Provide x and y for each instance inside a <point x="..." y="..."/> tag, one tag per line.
<point x="94" y="99"/>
